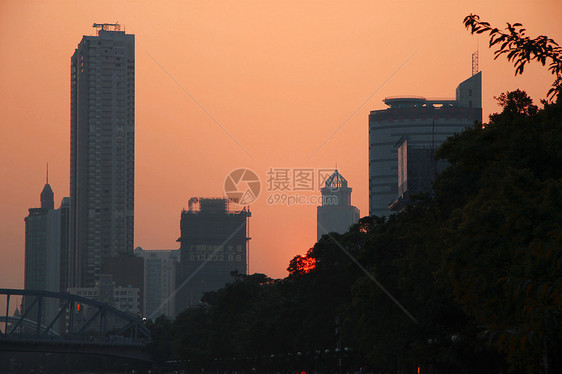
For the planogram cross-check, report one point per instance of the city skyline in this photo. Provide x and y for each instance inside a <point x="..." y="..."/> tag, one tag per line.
<point x="230" y="99"/>
<point x="102" y="152"/>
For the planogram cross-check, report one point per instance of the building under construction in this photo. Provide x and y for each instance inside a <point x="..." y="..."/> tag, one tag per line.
<point x="214" y="243"/>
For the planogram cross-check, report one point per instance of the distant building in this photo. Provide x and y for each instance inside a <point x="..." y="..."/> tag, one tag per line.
<point x="213" y="245"/>
<point x="336" y="214"/>
<point x="64" y="243"/>
<point x="425" y="123"/>
<point x="102" y="152"/>
<point x="125" y="299"/>
<point x="159" y="282"/>
<point x="46" y="248"/>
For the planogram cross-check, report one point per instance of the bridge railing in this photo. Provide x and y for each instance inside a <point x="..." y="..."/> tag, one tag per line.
<point x="66" y="317"/>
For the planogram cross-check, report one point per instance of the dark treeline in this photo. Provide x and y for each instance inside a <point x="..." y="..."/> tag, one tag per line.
<point x="476" y="268"/>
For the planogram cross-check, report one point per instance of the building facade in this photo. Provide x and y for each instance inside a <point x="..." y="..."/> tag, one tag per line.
<point x="336" y="214"/>
<point x="159" y="282"/>
<point x="425" y="123"/>
<point x="102" y="152"/>
<point x="46" y="248"/>
<point x="213" y="245"/>
<point x="417" y="168"/>
<point x="125" y="299"/>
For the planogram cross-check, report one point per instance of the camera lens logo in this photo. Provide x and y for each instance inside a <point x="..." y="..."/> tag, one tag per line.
<point x="242" y="186"/>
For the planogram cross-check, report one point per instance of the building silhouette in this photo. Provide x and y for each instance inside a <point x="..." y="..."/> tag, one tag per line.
<point x="102" y="152"/>
<point x="46" y="248"/>
<point x="105" y="290"/>
<point x="417" y="168"/>
<point x="336" y="214"/>
<point x="426" y="124"/>
<point x="213" y="245"/>
<point x="159" y="281"/>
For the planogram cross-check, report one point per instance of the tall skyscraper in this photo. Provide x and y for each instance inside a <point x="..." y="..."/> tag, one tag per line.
<point x="425" y="123"/>
<point x="213" y="245"/>
<point x="102" y="152"/>
<point x="46" y="248"/>
<point x="336" y="214"/>
<point x="42" y="245"/>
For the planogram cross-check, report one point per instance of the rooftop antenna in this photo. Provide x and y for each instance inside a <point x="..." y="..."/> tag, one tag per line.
<point x="47" y="181"/>
<point x="106" y="27"/>
<point x="475" y="60"/>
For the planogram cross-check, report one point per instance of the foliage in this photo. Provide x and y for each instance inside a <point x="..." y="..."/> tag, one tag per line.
<point x="513" y="207"/>
<point x="300" y="265"/>
<point x="515" y="103"/>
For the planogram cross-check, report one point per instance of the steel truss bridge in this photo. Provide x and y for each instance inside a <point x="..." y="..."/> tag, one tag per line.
<point x="65" y="323"/>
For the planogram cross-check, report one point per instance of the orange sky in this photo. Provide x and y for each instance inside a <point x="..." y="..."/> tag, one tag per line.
<point x="279" y="76"/>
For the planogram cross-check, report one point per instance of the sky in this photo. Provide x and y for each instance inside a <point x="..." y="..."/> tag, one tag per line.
<point x="222" y="85"/>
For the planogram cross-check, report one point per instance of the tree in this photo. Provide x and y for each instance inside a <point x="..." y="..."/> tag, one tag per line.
<point x="516" y="103"/>
<point x="300" y="265"/>
<point x="504" y="225"/>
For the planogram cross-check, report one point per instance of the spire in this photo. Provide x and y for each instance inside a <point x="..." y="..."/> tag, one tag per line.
<point x="47" y="195"/>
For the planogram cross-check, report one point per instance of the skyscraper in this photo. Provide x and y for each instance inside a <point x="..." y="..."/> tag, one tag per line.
<point x="425" y="123"/>
<point x="336" y="214"/>
<point x="213" y="245"/>
<point x="46" y="248"/>
<point x="102" y="151"/>
<point x="42" y="245"/>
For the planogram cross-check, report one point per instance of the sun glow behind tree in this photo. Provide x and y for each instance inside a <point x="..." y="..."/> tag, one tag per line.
<point x="302" y="264"/>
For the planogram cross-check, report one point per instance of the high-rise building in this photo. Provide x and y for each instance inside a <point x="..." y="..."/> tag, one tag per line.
<point x="102" y="152"/>
<point x="213" y="246"/>
<point x="336" y="214"/>
<point x="159" y="281"/>
<point x="42" y="245"/>
<point x="46" y="248"/>
<point x="425" y="123"/>
<point x="64" y="245"/>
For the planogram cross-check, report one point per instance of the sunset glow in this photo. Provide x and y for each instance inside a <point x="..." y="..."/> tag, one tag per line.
<point x="302" y="264"/>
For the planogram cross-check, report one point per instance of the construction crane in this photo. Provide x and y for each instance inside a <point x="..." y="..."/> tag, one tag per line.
<point x="107" y="27"/>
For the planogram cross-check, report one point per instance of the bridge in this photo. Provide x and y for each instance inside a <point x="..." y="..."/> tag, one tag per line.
<point x="65" y="323"/>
